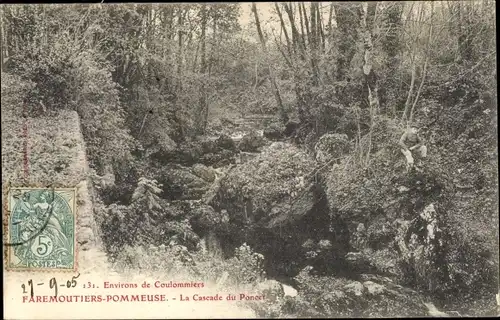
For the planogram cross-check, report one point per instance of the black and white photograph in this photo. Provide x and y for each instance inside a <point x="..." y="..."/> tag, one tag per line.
<point x="250" y="160"/>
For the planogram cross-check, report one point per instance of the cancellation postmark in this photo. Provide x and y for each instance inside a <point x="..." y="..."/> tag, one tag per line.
<point x="41" y="226"/>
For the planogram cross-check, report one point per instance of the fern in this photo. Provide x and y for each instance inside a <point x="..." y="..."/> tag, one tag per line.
<point x="147" y="190"/>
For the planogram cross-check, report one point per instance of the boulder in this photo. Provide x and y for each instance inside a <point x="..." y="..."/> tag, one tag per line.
<point x="374" y="288"/>
<point x="290" y="128"/>
<point x="267" y="180"/>
<point x="209" y="146"/>
<point x="272" y="290"/>
<point x="369" y="296"/>
<point x="225" y="142"/>
<point x="289" y="291"/>
<point x="380" y="233"/>
<point x="331" y="146"/>
<point x="207" y="151"/>
<point x="251" y="142"/>
<point x="324" y="244"/>
<point x="186" y="153"/>
<point x="180" y="184"/>
<point x="204" y="172"/>
<point x="395" y="220"/>
<point x="204" y="217"/>
<point x="271" y="199"/>
<point x="274" y="131"/>
<point x="407" y="250"/>
<point x="354" y="288"/>
<point x="420" y="245"/>
<point x="308" y="244"/>
<point x="219" y="159"/>
<point x="247" y="156"/>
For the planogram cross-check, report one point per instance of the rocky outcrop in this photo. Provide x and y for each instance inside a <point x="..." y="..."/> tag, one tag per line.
<point x="368" y="296"/>
<point x="403" y="225"/>
<point x="246" y="156"/>
<point x="420" y="246"/>
<point x="251" y="142"/>
<point x="272" y="290"/>
<point x="275" y="208"/>
<point x="274" y="132"/>
<point x="206" y="173"/>
<point x="395" y="226"/>
<point x="180" y="183"/>
<point x="225" y="142"/>
<point x="211" y="152"/>
<point x="408" y="251"/>
<point x="218" y="159"/>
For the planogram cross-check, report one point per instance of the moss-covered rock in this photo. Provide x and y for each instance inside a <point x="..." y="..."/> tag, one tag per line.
<point x="251" y="142"/>
<point x="219" y="159"/>
<point x="368" y="296"/>
<point x="275" y="207"/>
<point x="416" y="227"/>
<point x="331" y="146"/>
<point x="204" y="172"/>
<point x="179" y="183"/>
<point x="225" y="142"/>
<point x="274" y="131"/>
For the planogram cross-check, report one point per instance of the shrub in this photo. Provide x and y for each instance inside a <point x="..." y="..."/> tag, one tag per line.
<point x="245" y="268"/>
<point x="15" y="91"/>
<point x="67" y="79"/>
<point x="147" y="220"/>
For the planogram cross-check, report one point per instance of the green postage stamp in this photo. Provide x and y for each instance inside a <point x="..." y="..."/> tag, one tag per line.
<point x="41" y="229"/>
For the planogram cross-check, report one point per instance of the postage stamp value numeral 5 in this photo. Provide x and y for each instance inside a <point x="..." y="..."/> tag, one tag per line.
<point x="41" y="229"/>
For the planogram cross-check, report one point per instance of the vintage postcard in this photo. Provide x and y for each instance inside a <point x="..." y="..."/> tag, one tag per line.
<point x="249" y="160"/>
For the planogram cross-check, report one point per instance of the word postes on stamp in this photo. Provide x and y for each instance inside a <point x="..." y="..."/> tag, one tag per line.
<point x="41" y="229"/>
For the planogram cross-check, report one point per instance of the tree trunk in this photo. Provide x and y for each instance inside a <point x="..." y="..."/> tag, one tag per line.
<point x="391" y="44"/>
<point x="306" y="23"/>
<point x="299" y="45"/>
<point x="178" y="86"/>
<point x="314" y="44"/>
<point x="277" y="95"/>
<point x="330" y="18"/>
<point x="285" y="32"/>
<point x="3" y="43"/>
<point x="297" y="40"/>
<point x="321" y="28"/>
<point x="370" y="76"/>
<point x="348" y="15"/>
<point x="413" y="72"/>
<point x="424" y="72"/>
<point x="201" y="127"/>
<point x="213" y="47"/>
<point x="465" y="32"/>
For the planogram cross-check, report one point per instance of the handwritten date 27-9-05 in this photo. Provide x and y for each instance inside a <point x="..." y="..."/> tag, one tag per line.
<point x="52" y="285"/>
